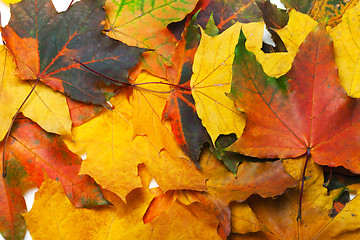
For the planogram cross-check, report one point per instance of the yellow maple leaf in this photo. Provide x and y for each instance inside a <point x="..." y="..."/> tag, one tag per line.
<point x="148" y="104"/>
<point x="211" y="81"/>
<point x="113" y="154"/>
<point x="53" y="215"/>
<point x="347" y="50"/>
<point x="293" y="34"/>
<point x="173" y="170"/>
<point x="45" y="106"/>
<point x="116" y="151"/>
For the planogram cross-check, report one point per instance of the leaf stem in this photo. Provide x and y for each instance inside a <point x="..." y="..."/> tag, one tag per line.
<point x="130" y="84"/>
<point x="308" y="154"/>
<point x="164" y="83"/>
<point x="70" y="5"/>
<point x="11" y="125"/>
<point x="99" y="74"/>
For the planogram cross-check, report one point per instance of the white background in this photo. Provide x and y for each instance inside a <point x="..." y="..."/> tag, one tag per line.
<point x="62" y="5"/>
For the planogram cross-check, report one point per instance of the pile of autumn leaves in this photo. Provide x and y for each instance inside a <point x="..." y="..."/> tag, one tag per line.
<point x="166" y="124"/>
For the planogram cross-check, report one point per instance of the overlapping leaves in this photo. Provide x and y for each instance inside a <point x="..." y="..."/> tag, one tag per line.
<point x="191" y="83"/>
<point x="307" y="111"/>
<point x="44" y="42"/>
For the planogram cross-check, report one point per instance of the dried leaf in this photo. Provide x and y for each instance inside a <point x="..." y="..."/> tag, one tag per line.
<point x="226" y="13"/>
<point x="53" y="213"/>
<point x="32" y="153"/>
<point x="279" y="215"/>
<point x="273" y="16"/>
<point x="119" y="153"/>
<point x="180" y="109"/>
<point x="186" y="225"/>
<point x="308" y="112"/>
<point x="251" y="178"/>
<point x="243" y="219"/>
<point x="303" y="6"/>
<point x="149" y="102"/>
<point x="330" y="11"/>
<point x="143" y="23"/>
<point x="49" y="58"/>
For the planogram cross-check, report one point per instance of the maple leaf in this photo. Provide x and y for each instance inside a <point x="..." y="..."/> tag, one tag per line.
<point x="31" y="154"/>
<point x="148" y="106"/>
<point x="39" y="56"/>
<point x="197" y="202"/>
<point x="293" y="34"/>
<point x="153" y="128"/>
<point x="54" y="214"/>
<point x="347" y="51"/>
<point x="186" y="126"/>
<point x="112" y="222"/>
<point x="47" y="107"/>
<point x="251" y="178"/>
<point x="222" y="188"/>
<point x="114" y="131"/>
<point x="143" y="23"/>
<point x="316" y="202"/>
<point x="212" y="79"/>
<point x="121" y="152"/>
<point x="310" y="112"/>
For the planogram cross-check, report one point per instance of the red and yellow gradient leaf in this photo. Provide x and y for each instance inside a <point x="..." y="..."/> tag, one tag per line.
<point x="308" y="111"/>
<point x="31" y="154"/>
